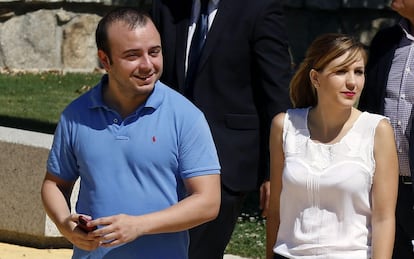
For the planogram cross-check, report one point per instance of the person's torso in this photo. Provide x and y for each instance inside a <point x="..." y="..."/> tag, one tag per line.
<point x="325" y="199"/>
<point x="133" y="165"/>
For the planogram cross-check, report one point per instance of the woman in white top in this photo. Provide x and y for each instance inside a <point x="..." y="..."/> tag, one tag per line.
<point x="334" y="170"/>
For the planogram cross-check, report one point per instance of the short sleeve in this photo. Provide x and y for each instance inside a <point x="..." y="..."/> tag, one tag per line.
<point x="197" y="154"/>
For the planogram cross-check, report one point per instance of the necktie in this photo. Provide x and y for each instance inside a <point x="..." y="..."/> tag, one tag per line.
<point x="197" y="44"/>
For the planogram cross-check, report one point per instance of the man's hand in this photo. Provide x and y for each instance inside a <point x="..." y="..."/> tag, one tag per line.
<point x="264" y="197"/>
<point x="76" y="235"/>
<point x="116" y="230"/>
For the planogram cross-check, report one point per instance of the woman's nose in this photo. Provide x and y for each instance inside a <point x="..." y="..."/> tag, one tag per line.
<point x="351" y="81"/>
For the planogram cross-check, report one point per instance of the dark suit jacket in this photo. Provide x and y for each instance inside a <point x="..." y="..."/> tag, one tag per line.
<point x="381" y="54"/>
<point x="242" y="79"/>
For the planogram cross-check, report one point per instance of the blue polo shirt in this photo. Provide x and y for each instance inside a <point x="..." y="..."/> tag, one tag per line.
<point x="134" y="165"/>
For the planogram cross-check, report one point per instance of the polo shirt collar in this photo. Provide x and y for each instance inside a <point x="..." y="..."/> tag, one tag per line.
<point x="153" y="101"/>
<point x="155" y="98"/>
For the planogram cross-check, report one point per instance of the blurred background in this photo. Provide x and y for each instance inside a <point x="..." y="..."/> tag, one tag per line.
<point x="58" y="35"/>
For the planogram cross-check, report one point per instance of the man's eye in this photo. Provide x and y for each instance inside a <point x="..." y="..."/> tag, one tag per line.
<point x="131" y="57"/>
<point x="154" y="53"/>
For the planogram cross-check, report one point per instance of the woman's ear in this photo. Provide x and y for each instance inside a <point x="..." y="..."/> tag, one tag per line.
<point x="104" y="59"/>
<point x="313" y="75"/>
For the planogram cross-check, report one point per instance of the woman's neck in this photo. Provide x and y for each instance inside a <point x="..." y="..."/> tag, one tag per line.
<point x="329" y="126"/>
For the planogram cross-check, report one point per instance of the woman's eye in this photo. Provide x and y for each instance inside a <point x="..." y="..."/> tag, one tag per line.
<point x="360" y="72"/>
<point x="341" y="71"/>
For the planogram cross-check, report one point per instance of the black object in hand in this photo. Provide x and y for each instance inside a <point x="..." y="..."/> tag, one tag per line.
<point x="82" y="224"/>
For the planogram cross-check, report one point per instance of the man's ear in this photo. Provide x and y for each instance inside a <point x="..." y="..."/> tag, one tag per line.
<point x="104" y="59"/>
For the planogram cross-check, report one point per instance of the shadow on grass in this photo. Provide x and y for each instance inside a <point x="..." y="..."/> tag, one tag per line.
<point x="27" y="124"/>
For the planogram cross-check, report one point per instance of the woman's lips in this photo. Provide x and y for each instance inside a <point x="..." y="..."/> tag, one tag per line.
<point x="349" y="94"/>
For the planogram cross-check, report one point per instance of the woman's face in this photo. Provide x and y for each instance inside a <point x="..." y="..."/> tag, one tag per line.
<point x="340" y="84"/>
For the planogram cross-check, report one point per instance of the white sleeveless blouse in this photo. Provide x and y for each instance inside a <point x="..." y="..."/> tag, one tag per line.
<point x="325" y="203"/>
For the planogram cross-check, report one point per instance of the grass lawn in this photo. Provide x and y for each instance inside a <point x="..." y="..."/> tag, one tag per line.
<point x="249" y="237"/>
<point x="35" y="101"/>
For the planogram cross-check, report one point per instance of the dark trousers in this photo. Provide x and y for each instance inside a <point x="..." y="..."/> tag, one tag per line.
<point x="276" y="256"/>
<point x="209" y="240"/>
<point x="404" y="230"/>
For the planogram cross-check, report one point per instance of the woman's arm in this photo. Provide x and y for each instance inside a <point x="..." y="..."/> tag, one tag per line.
<point x="276" y="168"/>
<point x="384" y="191"/>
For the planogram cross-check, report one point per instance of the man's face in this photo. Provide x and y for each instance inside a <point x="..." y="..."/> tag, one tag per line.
<point x="136" y="59"/>
<point x="404" y="7"/>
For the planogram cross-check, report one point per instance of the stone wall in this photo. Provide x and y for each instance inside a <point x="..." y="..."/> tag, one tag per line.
<point x="59" y="35"/>
<point x="49" y="40"/>
<point x="51" y="35"/>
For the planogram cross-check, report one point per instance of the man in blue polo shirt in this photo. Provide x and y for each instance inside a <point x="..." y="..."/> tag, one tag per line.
<point x="146" y="160"/>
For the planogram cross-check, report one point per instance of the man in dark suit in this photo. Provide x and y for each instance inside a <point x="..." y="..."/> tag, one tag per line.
<point x="389" y="90"/>
<point x="240" y="82"/>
